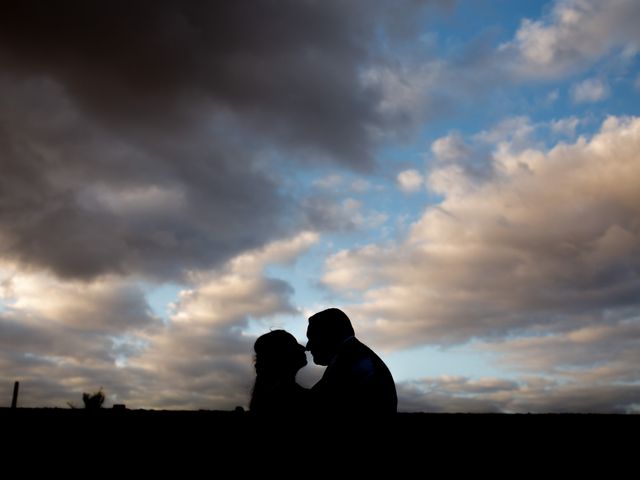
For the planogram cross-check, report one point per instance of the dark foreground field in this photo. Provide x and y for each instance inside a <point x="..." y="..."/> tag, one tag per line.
<point x="150" y="422"/>
<point x="153" y="435"/>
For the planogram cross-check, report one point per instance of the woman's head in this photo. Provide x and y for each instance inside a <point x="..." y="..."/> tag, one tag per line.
<point x="278" y="353"/>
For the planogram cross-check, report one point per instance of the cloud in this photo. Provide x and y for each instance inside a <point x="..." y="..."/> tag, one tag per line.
<point x="590" y="91"/>
<point x="516" y="131"/>
<point x="586" y="368"/>
<point x="108" y="305"/>
<point x="596" y="353"/>
<point x="162" y="122"/>
<point x="410" y="181"/>
<point x="352" y="270"/>
<point x="450" y="148"/>
<point x="291" y="69"/>
<point x="204" y="353"/>
<point x="82" y="201"/>
<point x="573" y="35"/>
<point x="536" y="260"/>
<point x="565" y="126"/>
<point x="462" y="163"/>
<point x="550" y="236"/>
<point x="570" y="37"/>
<point x="240" y="291"/>
<point x="552" y="97"/>
<point x="360" y="185"/>
<point x="121" y="60"/>
<point x="60" y="337"/>
<point x="329" y="182"/>
<point x="409" y="90"/>
<point x="337" y="184"/>
<point x="326" y="213"/>
<point x="531" y="395"/>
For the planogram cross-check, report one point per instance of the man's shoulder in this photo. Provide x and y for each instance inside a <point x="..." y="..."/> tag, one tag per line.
<point x="363" y="366"/>
<point x="357" y="358"/>
<point x="356" y="351"/>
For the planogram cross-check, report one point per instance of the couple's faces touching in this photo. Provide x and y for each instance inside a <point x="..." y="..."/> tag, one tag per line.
<point x="297" y="354"/>
<point x="279" y="348"/>
<point x="301" y="354"/>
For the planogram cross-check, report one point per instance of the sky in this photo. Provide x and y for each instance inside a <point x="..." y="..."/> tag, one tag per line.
<point x="461" y="177"/>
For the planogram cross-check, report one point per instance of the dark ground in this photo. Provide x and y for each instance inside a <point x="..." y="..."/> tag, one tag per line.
<point x="146" y="437"/>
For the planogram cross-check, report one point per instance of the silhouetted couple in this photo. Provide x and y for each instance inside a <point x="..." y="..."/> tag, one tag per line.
<point x="356" y="381"/>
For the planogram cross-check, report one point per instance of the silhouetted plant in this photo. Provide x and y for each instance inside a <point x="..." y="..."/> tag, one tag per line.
<point x="93" y="401"/>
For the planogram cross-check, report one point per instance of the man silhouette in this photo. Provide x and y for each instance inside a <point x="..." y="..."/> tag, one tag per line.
<point x="356" y="381"/>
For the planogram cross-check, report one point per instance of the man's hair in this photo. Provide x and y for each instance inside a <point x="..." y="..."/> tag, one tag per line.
<point x="333" y="323"/>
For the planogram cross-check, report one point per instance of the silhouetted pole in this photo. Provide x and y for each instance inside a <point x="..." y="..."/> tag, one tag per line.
<point x="14" y="402"/>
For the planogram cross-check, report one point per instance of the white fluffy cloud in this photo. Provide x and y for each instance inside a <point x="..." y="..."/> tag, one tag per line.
<point x="61" y="337"/>
<point x="572" y="35"/>
<point x="565" y="126"/>
<point x="539" y="262"/>
<point x="590" y="91"/>
<point x="232" y="295"/>
<point x="107" y="305"/>
<point x="202" y="359"/>
<point x="552" y="235"/>
<point x="450" y="148"/>
<point x="410" y="181"/>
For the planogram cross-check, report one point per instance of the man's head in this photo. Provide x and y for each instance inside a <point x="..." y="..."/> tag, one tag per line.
<point x="326" y="332"/>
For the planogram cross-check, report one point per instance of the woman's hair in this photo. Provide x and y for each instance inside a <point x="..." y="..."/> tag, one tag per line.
<point x="275" y="353"/>
<point x="278" y="357"/>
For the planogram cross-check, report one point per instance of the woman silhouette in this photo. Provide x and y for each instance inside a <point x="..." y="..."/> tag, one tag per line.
<point x="278" y="358"/>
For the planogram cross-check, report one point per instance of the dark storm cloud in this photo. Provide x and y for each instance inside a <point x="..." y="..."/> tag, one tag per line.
<point x="289" y="68"/>
<point x="134" y="136"/>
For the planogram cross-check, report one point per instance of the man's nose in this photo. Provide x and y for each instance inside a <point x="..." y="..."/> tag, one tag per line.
<point x="308" y="346"/>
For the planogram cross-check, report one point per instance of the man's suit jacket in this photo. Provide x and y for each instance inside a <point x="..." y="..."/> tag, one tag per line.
<point x="357" y="382"/>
